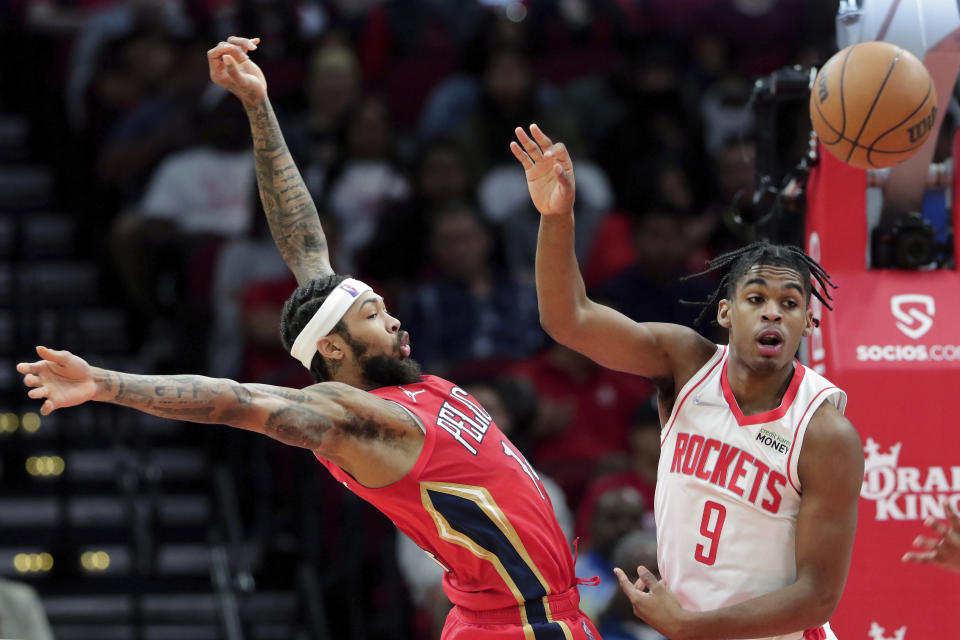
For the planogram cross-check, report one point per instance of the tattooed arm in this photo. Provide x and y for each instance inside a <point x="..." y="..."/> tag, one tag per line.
<point x="325" y="417"/>
<point x="290" y="210"/>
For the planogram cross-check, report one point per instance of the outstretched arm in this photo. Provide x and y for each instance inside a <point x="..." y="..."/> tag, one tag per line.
<point x="325" y="417"/>
<point x="603" y="334"/>
<point x="831" y="472"/>
<point x="290" y="210"/>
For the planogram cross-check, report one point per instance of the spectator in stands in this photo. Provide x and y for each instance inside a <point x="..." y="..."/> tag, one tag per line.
<point x="332" y="87"/>
<point x="159" y="124"/>
<point x="399" y="251"/>
<point x="583" y="415"/>
<point x="470" y="309"/>
<point x="143" y="25"/>
<point x="619" y="512"/>
<point x="617" y="621"/>
<point x="164" y="248"/>
<point x="366" y="181"/>
<point x="508" y="95"/>
<point x="650" y="290"/>
<point x="640" y="472"/>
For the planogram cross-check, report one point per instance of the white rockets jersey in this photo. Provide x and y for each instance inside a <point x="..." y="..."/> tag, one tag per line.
<point x="727" y="493"/>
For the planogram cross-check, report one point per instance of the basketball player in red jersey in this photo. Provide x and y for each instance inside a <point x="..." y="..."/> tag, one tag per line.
<point x="760" y="473"/>
<point x="420" y="449"/>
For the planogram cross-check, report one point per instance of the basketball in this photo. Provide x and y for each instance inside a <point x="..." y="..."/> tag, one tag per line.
<point x="873" y="105"/>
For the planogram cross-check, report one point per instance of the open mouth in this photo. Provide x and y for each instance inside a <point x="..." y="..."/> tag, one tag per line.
<point x="770" y="342"/>
<point x="404" y="344"/>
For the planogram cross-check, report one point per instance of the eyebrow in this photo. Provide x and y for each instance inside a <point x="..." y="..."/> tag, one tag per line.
<point x="763" y="283"/>
<point x="374" y="300"/>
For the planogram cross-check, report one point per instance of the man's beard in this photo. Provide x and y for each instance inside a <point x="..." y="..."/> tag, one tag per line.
<point x="387" y="371"/>
<point x="384" y="371"/>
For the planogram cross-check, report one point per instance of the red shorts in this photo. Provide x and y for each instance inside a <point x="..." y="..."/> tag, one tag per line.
<point x="558" y="618"/>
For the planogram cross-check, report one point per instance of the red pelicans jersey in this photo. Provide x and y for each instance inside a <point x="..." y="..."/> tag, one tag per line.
<point x="727" y="492"/>
<point x="477" y="507"/>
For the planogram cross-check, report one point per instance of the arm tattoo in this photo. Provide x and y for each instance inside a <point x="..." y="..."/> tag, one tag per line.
<point x="302" y="418"/>
<point x="290" y="210"/>
<point x="298" y="425"/>
<point x="193" y="398"/>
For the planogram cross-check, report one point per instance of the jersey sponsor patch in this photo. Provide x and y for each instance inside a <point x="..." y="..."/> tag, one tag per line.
<point x="773" y="440"/>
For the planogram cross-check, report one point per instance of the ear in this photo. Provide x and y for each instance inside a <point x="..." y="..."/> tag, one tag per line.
<point x="330" y="347"/>
<point x="809" y="324"/>
<point x="723" y="313"/>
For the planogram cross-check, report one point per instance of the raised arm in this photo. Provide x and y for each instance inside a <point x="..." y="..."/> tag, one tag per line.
<point x="373" y="439"/>
<point x="652" y="350"/>
<point x="831" y="472"/>
<point x="290" y="210"/>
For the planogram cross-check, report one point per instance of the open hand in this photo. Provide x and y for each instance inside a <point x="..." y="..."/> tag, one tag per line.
<point x="654" y="603"/>
<point x="63" y="379"/>
<point x="549" y="171"/>
<point x="232" y="69"/>
<point x="943" y="551"/>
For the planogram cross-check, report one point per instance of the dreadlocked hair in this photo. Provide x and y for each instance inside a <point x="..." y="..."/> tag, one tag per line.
<point x="299" y="308"/>
<point x="738" y="262"/>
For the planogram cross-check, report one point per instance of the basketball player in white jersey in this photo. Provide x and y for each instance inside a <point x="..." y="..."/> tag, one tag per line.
<point x="759" y="476"/>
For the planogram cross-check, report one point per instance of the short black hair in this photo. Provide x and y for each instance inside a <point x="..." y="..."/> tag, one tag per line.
<point x="300" y="307"/>
<point x="736" y="264"/>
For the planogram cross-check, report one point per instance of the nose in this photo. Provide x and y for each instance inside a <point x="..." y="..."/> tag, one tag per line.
<point x="393" y="325"/>
<point x="771" y="312"/>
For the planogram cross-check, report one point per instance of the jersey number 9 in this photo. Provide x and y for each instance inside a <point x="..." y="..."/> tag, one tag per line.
<point x="704" y="554"/>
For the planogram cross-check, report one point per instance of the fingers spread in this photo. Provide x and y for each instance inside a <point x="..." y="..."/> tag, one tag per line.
<point x="521" y="155"/>
<point x="648" y="579"/>
<point x="632" y="591"/>
<point x="540" y="136"/>
<point x="622" y="579"/>
<point x="47" y="408"/>
<point x="936" y="525"/>
<point x="529" y="145"/>
<point x="925" y="543"/>
<point x="558" y="150"/>
<point x="25" y="367"/>
<point x="918" y="556"/>
<point x="36" y="394"/>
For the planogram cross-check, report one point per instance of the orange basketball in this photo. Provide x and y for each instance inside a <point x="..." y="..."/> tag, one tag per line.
<point x="873" y="105"/>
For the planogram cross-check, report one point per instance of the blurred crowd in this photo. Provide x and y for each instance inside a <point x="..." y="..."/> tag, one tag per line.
<point x="399" y="115"/>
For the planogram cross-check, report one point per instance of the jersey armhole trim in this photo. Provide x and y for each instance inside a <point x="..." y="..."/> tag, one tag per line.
<point x="415" y="417"/>
<point x="721" y="352"/>
<point x="796" y="432"/>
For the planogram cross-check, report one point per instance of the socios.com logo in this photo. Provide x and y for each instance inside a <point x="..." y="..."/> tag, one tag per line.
<point x="913" y="322"/>
<point x="913" y="314"/>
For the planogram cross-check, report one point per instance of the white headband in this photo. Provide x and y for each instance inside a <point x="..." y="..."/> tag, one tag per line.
<point x="326" y="318"/>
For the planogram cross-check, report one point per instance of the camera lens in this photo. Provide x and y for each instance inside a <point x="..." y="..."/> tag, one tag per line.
<point x="915" y="242"/>
<point x="914" y="249"/>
